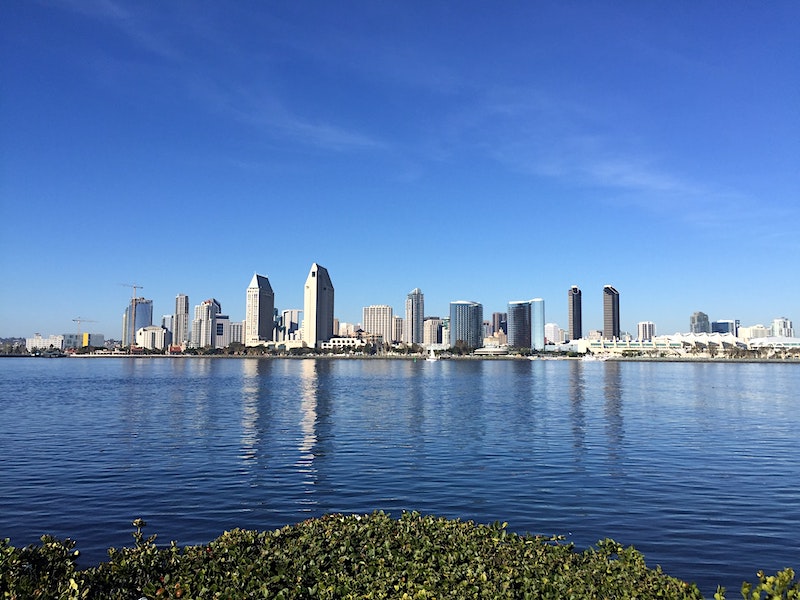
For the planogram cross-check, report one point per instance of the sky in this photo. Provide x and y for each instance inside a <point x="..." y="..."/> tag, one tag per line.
<point x="477" y="150"/>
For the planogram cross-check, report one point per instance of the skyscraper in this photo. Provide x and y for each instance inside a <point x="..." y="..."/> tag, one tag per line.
<point x="646" y="331"/>
<point x="519" y="324"/>
<point x="699" y="323"/>
<point x="204" y="325"/>
<point x="575" y="324"/>
<point x="610" y="313"/>
<point x="466" y="323"/>
<point x="415" y="311"/>
<point x="180" y="323"/>
<point x="259" y="319"/>
<point x="537" y="324"/>
<point x="138" y="314"/>
<point x="499" y="322"/>
<point x="377" y="320"/>
<point x="317" y="307"/>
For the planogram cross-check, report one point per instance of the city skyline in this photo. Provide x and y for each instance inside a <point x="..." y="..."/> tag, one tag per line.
<point x="402" y="146"/>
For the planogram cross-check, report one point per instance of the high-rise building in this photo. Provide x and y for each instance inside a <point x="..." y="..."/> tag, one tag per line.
<point x="610" y="313"/>
<point x="574" y="317"/>
<point x="138" y="314"/>
<point x="317" y="307"/>
<point x="204" y="325"/>
<point x="415" y="316"/>
<point x="168" y="323"/>
<point x="180" y="322"/>
<point x="259" y="319"/>
<point x="500" y="322"/>
<point x="726" y="326"/>
<point x="290" y="324"/>
<point x="782" y="327"/>
<point x="537" y="324"/>
<point x="519" y="324"/>
<point x="398" y="328"/>
<point x="432" y="333"/>
<point x="466" y="323"/>
<point x="553" y="334"/>
<point x="377" y="321"/>
<point x="646" y="331"/>
<point x="699" y="323"/>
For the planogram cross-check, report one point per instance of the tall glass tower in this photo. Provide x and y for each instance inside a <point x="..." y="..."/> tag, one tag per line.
<point x="466" y="323"/>
<point x="519" y="324"/>
<point x="537" y="324"/>
<point x="610" y="313"/>
<point x="575" y="325"/>
<point x="138" y="314"/>
<point x="415" y="317"/>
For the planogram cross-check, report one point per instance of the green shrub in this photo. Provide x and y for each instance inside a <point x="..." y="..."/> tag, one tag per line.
<point x="368" y="556"/>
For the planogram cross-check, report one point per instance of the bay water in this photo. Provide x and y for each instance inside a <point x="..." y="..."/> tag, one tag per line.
<point x="697" y="465"/>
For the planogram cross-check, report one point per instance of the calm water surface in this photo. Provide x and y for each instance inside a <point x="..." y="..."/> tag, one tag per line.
<point x="695" y="464"/>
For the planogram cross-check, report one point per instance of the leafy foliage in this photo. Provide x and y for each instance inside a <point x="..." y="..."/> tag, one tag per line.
<point x="359" y="556"/>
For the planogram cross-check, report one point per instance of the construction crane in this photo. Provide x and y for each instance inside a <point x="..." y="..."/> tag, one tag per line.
<point x="132" y="321"/>
<point x="80" y="320"/>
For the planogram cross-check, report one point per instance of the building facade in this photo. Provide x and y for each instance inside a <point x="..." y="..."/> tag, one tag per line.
<point x="699" y="323"/>
<point x="180" y="322"/>
<point x="611" y="327"/>
<point x="782" y="327"/>
<point x="432" y="331"/>
<point x="290" y="325"/>
<point x="725" y="326"/>
<point x="138" y="314"/>
<point x="377" y="321"/>
<point x="500" y="322"/>
<point x="519" y="324"/>
<point x="466" y="323"/>
<point x="204" y="325"/>
<point x="153" y="337"/>
<point x="259" y="319"/>
<point x="537" y="324"/>
<point x="574" y="313"/>
<point x="645" y="331"/>
<point x="415" y="317"/>
<point x="317" y="307"/>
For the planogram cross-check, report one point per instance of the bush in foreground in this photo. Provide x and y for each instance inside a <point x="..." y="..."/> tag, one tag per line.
<point x="370" y="556"/>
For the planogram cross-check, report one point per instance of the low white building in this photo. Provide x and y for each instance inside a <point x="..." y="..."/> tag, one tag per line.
<point x="37" y="342"/>
<point x="153" y="337"/>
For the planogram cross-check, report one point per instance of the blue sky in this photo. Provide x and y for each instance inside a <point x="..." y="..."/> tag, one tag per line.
<point x="477" y="150"/>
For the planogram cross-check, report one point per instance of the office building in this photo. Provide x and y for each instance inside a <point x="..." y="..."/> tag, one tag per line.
<point x="138" y="314"/>
<point x="37" y="342"/>
<point x="398" y="329"/>
<point x="500" y="322"/>
<point x="167" y="322"/>
<point x="645" y="331"/>
<point x="726" y="326"/>
<point x="290" y="325"/>
<point x="259" y="312"/>
<point x="782" y="327"/>
<point x="180" y="323"/>
<point x="432" y="331"/>
<point x="574" y="313"/>
<point x="377" y="322"/>
<point x="699" y="323"/>
<point x="610" y="313"/>
<point x="317" y="307"/>
<point x="204" y="325"/>
<point x="537" y="324"/>
<point x="415" y="316"/>
<point x="553" y="334"/>
<point x="153" y="337"/>
<point x="466" y="324"/>
<point x="519" y="324"/>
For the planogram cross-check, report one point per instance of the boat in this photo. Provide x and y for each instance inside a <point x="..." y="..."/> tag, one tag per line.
<point x="431" y="356"/>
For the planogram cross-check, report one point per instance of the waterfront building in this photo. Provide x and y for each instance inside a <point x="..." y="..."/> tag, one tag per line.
<point x="223" y="331"/>
<point x="466" y="323"/>
<point x="317" y="307"/>
<point x="397" y="328"/>
<point x="83" y="339"/>
<point x="500" y="322"/>
<point x="782" y="327"/>
<point x="153" y="337"/>
<point x="237" y="332"/>
<point x="259" y="313"/>
<point x="204" y="325"/>
<point x="138" y="314"/>
<point x="432" y="331"/>
<point x="610" y="313"/>
<point x="377" y="321"/>
<point x="537" y="324"/>
<point x="180" y="331"/>
<point x="646" y="331"/>
<point x="415" y="316"/>
<point x="519" y="324"/>
<point x="753" y="332"/>
<point x="575" y="315"/>
<point x="725" y="326"/>
<point x="699" y="323"/>
<point x="38" y="342"/>
<point x="290" y="325"/>
<point x="553" y="334"/>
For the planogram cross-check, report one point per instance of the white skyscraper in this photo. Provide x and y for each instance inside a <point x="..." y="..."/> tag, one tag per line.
<point x="259" y="312"/>
<point x="645" y="331"/>
<point x="290" y="324"/>
<point x="180" y="322"/>
<point x="782" y="327"/>
<point x="377" y="320"/>
<point x="415" y="316"/>
<point x="432" y="331"/>
<point x="204" y="326"/>
<point x="317" y="307"/>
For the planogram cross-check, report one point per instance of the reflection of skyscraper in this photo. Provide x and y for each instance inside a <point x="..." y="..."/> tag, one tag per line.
<point x="575" y="325"/>
<point x="519" y="324"/>
<point x="537" y="324"/>
<point x="610" y="313"/>
<point x="466" y="323"/>
<point x="180" y="323"/>
<point x="415" y="309"/>
<point x="259" y="312"/>
<point x="138" y="314"/>
<point x="317" y="307"/>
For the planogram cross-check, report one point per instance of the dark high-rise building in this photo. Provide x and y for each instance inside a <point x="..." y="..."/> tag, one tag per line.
<point x="575" y="325"/>
<point x="466" y="323"/>
<point x="519" y="324"/>
<point x="500" y="322"/>
<point x="699" y="323"/>
<point x="610" y="313"/>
